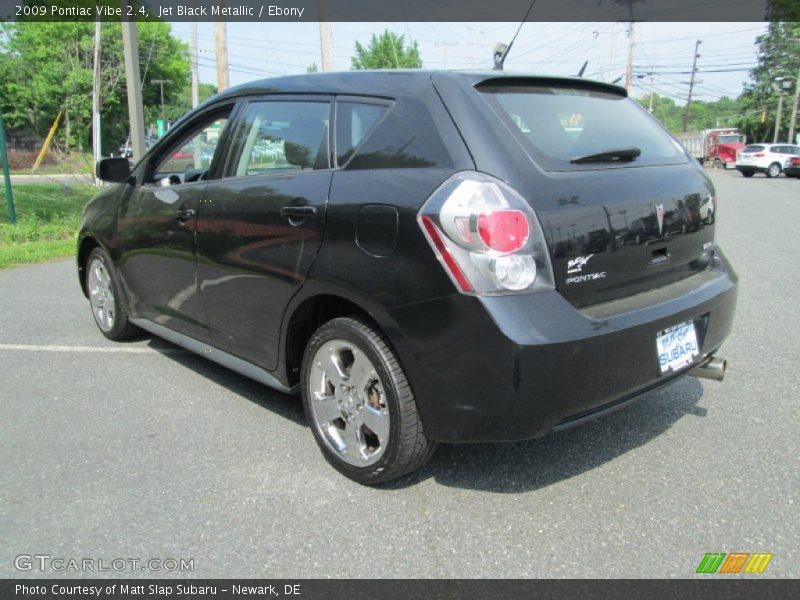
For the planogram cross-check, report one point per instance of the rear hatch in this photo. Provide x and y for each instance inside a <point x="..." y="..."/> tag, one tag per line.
<point x="623" y="208"/>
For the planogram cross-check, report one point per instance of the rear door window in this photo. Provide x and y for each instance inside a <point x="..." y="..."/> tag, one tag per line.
<point x="558" y="124"/>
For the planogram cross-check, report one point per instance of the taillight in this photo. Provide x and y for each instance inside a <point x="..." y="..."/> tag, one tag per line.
<point x="503" y="230"/>
<point x="486" y="236"/>
<point x="796" y="161"/>
<point x="758" y="154"/>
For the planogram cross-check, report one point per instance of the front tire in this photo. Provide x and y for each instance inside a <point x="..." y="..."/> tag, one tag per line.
<point x="106" y="298"/>
<point x="774" y="170"/>
<point x="359" y="404"/>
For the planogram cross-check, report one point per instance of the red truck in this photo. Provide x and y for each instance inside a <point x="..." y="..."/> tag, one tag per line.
<point x="714" y="147"/>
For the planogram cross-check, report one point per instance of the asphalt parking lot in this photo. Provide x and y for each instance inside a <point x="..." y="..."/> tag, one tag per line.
<point x="141" y="450"/>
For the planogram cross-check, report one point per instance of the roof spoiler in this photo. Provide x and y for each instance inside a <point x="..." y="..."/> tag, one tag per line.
<point x="526" y="80"/>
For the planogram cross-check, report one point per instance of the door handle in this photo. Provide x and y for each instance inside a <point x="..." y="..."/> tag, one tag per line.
<point x="184" y="214"/>
<point x="296" y="213"/>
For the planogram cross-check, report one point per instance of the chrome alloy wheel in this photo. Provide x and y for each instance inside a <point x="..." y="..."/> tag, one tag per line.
<point x="101" y="295"/>
<point x="774" y="170"/>
<point x="348" y="403"/>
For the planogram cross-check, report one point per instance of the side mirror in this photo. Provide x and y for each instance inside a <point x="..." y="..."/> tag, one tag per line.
<point x="114" y="170"/>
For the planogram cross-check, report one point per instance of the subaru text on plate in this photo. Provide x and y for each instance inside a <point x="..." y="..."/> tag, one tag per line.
<point x="425" y="256"/>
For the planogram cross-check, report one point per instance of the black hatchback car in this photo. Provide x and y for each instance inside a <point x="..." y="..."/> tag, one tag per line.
<point x="425" y="256"/>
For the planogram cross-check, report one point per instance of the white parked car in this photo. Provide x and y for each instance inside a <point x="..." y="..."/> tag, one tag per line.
<point x="764" y="158"/>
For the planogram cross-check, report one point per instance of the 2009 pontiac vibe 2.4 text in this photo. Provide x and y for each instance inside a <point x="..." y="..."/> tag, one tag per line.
<point x="425" y="256"/>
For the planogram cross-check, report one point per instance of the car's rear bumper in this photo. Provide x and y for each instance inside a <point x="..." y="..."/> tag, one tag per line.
<point x="750" y="169"/>
<point x="515" y="367"/>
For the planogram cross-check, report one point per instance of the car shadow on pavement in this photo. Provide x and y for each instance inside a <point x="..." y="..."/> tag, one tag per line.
<point x="503" y="467"/>
<point x="535" y="464"/>
<point x="285" y="405"/>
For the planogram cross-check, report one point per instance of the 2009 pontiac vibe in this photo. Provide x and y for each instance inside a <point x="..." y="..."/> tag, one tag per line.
<point x="425" y="256"/>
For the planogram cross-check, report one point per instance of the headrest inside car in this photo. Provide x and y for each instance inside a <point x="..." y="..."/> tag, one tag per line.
<point x="301" y="141"/>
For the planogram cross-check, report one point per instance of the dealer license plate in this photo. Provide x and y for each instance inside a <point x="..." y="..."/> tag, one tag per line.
<point x="677" y="347"/>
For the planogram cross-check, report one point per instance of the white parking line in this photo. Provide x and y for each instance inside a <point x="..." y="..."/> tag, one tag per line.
<point x="108" y="349"/>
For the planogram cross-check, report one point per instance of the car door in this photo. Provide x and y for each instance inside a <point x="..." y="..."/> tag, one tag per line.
<point x="157" y="226"/>
<point x="261" y="225"/>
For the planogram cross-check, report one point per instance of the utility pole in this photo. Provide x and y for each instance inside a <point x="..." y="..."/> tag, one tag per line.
<point x="160" y="83"/>
<point x="193" y="58"/>
<point x="96" y="137"/>
<point x="629" y="68"/>
<point x="325" y="37"/>
<point x="795" y="102"/>
<point x="130" y="49"/>
<point x="221" y="42"/>
<point x="650" y="108"/>
<point x="778" y="118"/>
<point x="196" y="152"/>
<point x="691" y="85"/>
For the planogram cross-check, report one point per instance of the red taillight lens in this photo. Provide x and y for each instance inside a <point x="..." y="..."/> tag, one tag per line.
<point x="503" y="231"/>
<point x="758" y="154"/>
<point x="796" y="161"/>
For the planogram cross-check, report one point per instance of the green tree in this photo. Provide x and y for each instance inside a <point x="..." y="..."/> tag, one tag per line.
<point x="778" y="56"/>
<point x="48" y="67"/>
<point x="183" y="101"/>
<point x="665" y="110"/>
<point x="387" y="51"/>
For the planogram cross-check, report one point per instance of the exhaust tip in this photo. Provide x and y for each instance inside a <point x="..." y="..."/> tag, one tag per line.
<point x="714" y="368"/>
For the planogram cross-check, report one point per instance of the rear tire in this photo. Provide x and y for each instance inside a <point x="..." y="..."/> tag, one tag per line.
<point x="359" y="404"/>
<point x="747" y="173"/>
<point x="774" y="170"/>
<point x="106" y="298"/>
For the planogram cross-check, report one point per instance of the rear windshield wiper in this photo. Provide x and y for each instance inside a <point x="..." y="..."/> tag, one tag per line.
<point x="619" y="154"/>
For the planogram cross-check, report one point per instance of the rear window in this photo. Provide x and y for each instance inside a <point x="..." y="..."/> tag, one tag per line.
<point x="558" y="124"/>
<point x="753" y="148"/>
<point x="353" y="121"/>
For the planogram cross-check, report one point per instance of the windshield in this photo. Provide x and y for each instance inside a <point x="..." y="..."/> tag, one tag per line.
<point x="729" y="139"/>
<point x="753" y="148"/>
<point x="559" y="124"/>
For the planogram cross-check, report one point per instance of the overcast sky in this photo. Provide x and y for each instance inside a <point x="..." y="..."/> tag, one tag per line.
<point x="662" y="51"/>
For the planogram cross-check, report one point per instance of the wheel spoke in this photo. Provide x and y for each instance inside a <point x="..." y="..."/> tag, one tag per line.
<point x="352" y="439"/>
<point x="361" y="371"/>
<point x="377" y="421"/>
<point x="325" y="407"/>
<point x="333" y="373"/>
<point x="98" y="273"/>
